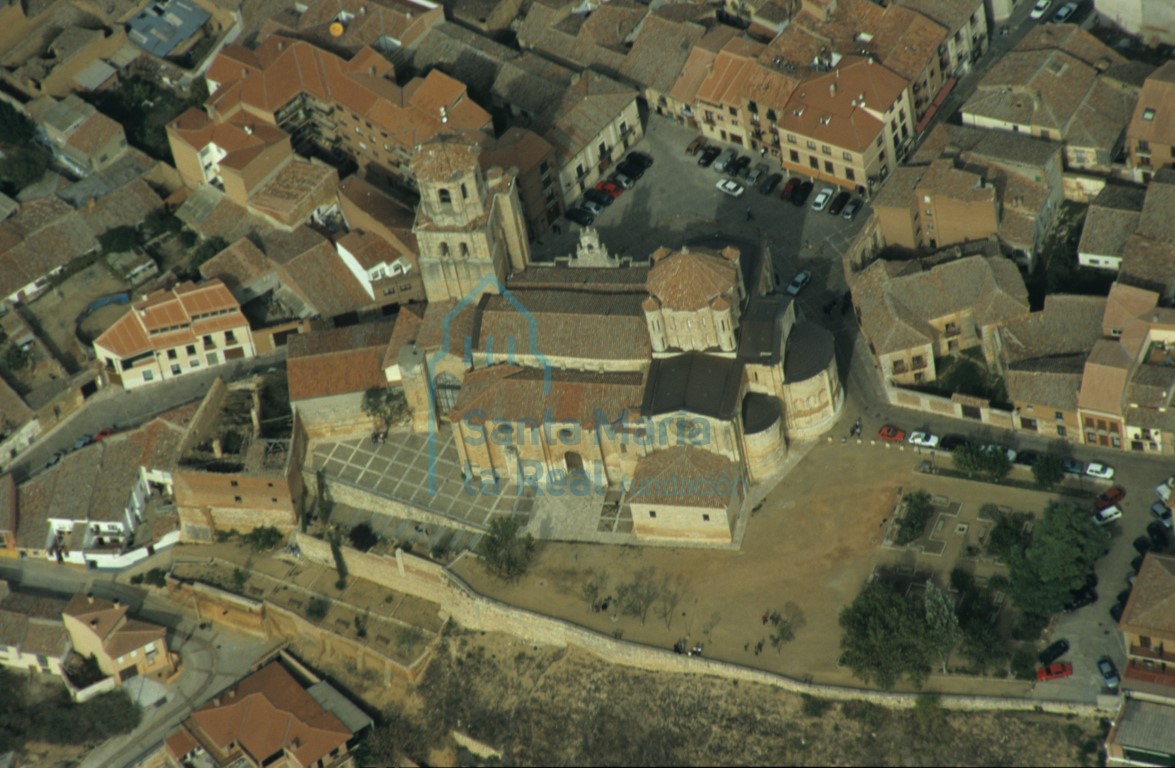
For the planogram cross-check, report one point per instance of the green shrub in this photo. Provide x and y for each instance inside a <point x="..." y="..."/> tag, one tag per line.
<point x="919" y="511"/>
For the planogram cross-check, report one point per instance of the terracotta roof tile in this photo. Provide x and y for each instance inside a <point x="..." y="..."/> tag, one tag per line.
<point x="515" y="394"/>
<point x="1150" y="611"/>
<point x="829" y="107"/>
<point x="337" y="361"/>
<point x="690" y="279"/>
<point x="660" y="477"/>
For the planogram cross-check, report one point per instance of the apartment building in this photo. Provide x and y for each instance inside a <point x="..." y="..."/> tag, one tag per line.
<point x="936" y="205"/>
<point x="346" y="111"/>
<point x="967" y="32"/>
<point x="1150" y="135"/>
<point x="123" y="647"/>
<point x="847" y="127"/>
<point x="173" y="332"/>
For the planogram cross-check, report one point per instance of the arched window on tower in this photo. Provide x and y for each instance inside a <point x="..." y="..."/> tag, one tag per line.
<point x="464" y="251"/>
<point x="444" y="248"/>
<point x="444" y="196"/>
<point x="464" y="192"/>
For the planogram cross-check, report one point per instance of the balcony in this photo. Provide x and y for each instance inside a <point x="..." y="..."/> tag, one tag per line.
<point x="1137" y="672"/>
<point x="1157" y="654"/>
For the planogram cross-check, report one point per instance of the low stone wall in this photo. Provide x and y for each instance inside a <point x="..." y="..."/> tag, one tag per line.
<point x="82" y="695"/>
<point x="945" y="406"/>
<point x="219" y="606"/>
<point x="413" y="575"/>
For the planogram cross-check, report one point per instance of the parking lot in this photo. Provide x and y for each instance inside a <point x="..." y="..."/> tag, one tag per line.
<point x="677" y="202"/>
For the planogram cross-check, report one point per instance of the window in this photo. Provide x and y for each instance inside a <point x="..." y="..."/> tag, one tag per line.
<point x="1059" y="416"/>
<point x="464" y="192"/>
<point x="233" y="483"/>
<point x="579" y="169"/>
<point x="705" y="518"/>
<point x="602" y="149"/>
<point x="171" y="354"/>
<point x="175" y="369"/>
<point x="879" y="140"/>
<point x="195" y="363"/>
<point x="148" y="376"/>
<point x="1148" y="114"/>
<point x="847" y="156"/>
<point x="229" y="337"/>
<point x="190" y="349"/>
<point x="1061" y="432"/>
<point x="828" y="168"/>
<point x="544" y="166"/>
<point x="652" y="513"/>
<point x="791" y="138"/>
<point x="811" y="144"/>
<point x="850" y="175"/>
<point x="237" y="499"/>
<point x="733" y="111"/>
<point x="826" y="149"/>
<point x="444" y="196"/>
<point x="464" y="251"/>
<point x="794" y="155"/>
<point x="812" y="161"/>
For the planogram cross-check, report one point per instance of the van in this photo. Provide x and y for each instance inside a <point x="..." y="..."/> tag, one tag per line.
<point x="721" y="163"/>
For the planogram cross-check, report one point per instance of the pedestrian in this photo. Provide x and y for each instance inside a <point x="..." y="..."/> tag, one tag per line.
<point x="762" y="151"/>
<point x="750" y="215"/>
<point x="764" y="619"/>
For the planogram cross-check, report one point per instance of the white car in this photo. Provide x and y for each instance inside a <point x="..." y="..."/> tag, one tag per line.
<point x="923" y="440"/>
<point x="1107" y="515"/>
<point x="590" y="205"/>
<point x="1039" y="10"/>
<point x="822" y="198"/>
<point x="1164" y="488"/>
<point x="798" y="282"/>
<point x="731" y="187"/>
<point x="1099" y="471"/>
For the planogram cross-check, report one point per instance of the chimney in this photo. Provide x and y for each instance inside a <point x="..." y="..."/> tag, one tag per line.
<point x="444" y="115"/>
<point x="217" y="450"/>
<point x="90" y="599"/>
<point x="832" y="86"/>
<point x="249" y="129"/>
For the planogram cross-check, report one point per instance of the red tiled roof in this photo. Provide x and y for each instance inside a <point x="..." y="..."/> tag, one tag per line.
<point x="337" y="361"/>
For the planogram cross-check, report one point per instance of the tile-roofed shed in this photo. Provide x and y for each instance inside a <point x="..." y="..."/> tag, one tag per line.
<point x="337" y="361"/>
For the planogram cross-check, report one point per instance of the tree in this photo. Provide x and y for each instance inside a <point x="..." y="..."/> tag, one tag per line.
<point x="1048" y="470"/>
<point x="786" y="625"/>
<point x="16" y="128"/>
<point x="160" y="221"/>
<point x="119" y="239"/>
<point x="239" y="580"/>
<point x="15" y="358"/>
<point x="919" y="510"/>
<point x="23" y="167"/>
<point x="206" y="250"/>
<point x="388" y="405"/>
<point x="362" y="537"/>
<point x="263" y="538"/>
<point x="593" y="587"/>
<point x="884" y="637"/>
<point x="942" y="625"/>
<point x="969" y="458"/>
<point x="982" y="460"/>
<point x="317" y="608"/>
<point x="667" y="606"/>
<point x="507" y="554"/>
<point x="1065" y="545"/>
<point x="1007" y="534"/>
<point x="637" y="596"/>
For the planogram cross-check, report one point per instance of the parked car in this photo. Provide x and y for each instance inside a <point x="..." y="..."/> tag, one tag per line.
<point x="1027" y="458"/>
<point x="1142" y="545"/>
<point x="851" y="209"/>
<point x="801" y="194"/>
<point x="632" y="170"/>
<point x="891" y="434"/>
<point x="1073" y="467"/>
<point x="923" y="440"/>
<point x="838" y="203"/>
<point x="1158" y="536"/>
<point x="951" y="442"/>
<point x="599" y="198"/>
<point x="1116" y="611"/>
<point x="798" y="282"/>
<point x="641" y="159"/>
<point x="1054" y="671"/>
<point x="696" y="145"/>
<point x="1099" y="471"/>
<point x="1055" y="651"/>
<point x="623" y="180"/>
<point x="102" y="434"/>
<point x="993" y="448"/>
<point x="1163" y="489"/>
<point x="823" y="198"/>
<point x="740" y="164"/>
<point x="609" y="188"/>
<point x="1163" y="512"/>
<point x="590" y="205"/>
<point x="82" y="442"/>
<point x="1109" y="672"/>
<point x="731" y="187"/>
<point x="1081" y="598"/>
<point x="708" y="156"/>
<point x="756" y="173"/>
<point x="1136" y="563"/>
<point x="770" y="183"/>
<point x="1111" y="497"/>
<point x="1107" y="515"/>
<point x="789" y="189"/>
<point x="1039" y="10"/>
<point x="580" y="216"/>
<point x="721" y="163"/>
<point x="1066" y="11"/>
<point x="56" y="457"/>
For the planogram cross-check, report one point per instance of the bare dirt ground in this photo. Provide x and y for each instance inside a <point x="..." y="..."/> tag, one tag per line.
<point x="545" y="706"/>
<point x="814" y="543"/>
<point x="57" y="309"/>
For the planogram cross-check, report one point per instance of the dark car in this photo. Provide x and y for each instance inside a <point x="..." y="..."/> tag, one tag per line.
<point x="851" y="209"/>
<point x="1136" y="563"/>
<point x="1158" y="536"/>
<point x="740" y="164"/>
<point x="1117" y="610"/>
<point x="599" y="198"/>
<point x="1081" y="598"/>
<point x="789" y="189"/>
<point x="580" y="216"/>
<point x="708" y="156"/>
<point x="634" y="170"/>
<point x="770" y="183"/>
<point x="838" y="203"/>
<point x="1074" y="467"/>
<point x="1053" y="652"/>
<point x="1027" y="458"/>
<point x="54" y="459"/>
<point x="640" y="158"/>
<point x="951" y="442"/>
<point x="801" y="194"/>
<point x="1141" y="545"/>
<point x="83" y="441"/>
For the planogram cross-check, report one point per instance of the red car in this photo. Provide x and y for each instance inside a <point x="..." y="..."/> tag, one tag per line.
<point x="789" y="189"/>
<point x="1054" y="671"/>
<point x="1109" y="498"/>
<point x="103" y="433"/>
<point x="610" y="189"/>
<point x="891" y="434"/>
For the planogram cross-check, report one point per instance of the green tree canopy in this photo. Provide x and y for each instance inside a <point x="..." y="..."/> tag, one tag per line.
<point x="388" y="405"/>
<point x="506" y="553"/>
<point x="942" y="624"/>
<point x="119" y="239"/>
<point x="1048" y="470"/>
<point x="16" y="128"/>
<point x="1064" y="547"/>
<point x="885" y="637"/>
<point x="22" y="167"/>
